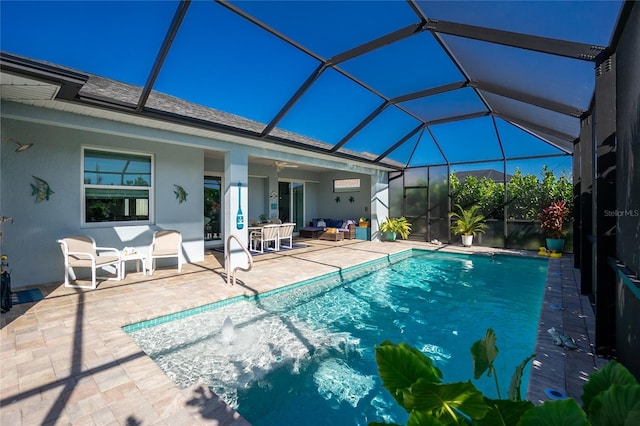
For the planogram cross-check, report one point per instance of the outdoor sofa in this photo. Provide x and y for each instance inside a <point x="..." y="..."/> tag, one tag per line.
<point x="317" y="227"/>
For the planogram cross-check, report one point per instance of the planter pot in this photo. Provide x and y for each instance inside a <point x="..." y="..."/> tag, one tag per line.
<point x="390" y="235"/>
<point x="555" y="244"/>
<point x="363" y="224"/>
<point x="467" y="240"/>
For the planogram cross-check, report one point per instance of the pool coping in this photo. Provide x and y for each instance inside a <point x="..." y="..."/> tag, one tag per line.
<point x="342" y="274"/>
<point x="558" y="372"/>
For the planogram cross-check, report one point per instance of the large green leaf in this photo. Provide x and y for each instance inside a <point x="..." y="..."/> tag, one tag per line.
<point x="443" y="400"/>
<point x="401" y="365"/>
<point x="516" y="380"/>
<point x="484" y="352"/>
<point x="612" y="373"/>
<point x="420" y="418"/>
<point x="504" y="412"/>
<point x="555" y="413"/>
<point x="619" y="405"/>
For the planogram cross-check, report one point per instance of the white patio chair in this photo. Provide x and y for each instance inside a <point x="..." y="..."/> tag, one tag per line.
<point x="166" y="244"/>
<point x="80" y="251"/>
<point x="285" y="232"/>
<point x="264" y="236"/>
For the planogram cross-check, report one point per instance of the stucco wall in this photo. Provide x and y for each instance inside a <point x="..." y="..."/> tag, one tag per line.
<point x="258" y="198"/>
<point x="179" y="159"/>
<point x="30" y="241"/>
<point x="329" y="208"/>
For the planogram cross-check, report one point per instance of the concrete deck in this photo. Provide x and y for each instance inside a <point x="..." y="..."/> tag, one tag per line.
<point x="66" y="360"/>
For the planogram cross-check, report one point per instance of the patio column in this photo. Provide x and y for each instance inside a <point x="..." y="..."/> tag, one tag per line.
<point x="379" y="202"/>
<point x="236" y="178"/>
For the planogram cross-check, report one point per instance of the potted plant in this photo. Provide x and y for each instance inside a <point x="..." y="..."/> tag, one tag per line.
<point x="468" y="223"/>
<point x="552" y="223"/>
<point x="363" y="222"/>
<point x="263" y="218"/>
<point x="392" y="227"/>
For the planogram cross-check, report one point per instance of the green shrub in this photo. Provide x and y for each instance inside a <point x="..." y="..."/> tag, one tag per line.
<point x="527" y="194"/>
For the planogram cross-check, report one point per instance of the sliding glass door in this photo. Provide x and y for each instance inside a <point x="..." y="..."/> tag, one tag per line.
<point x="291" y="203"/>
<point x="212" y="211"/>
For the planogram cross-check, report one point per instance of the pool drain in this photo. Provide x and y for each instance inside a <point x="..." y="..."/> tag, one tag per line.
<point x="555" y="394"/>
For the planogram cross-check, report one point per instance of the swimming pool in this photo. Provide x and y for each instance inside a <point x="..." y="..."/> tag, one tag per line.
<point x="306" y="355"/>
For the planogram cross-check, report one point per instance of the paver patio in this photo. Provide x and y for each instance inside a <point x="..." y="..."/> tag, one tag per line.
<point x="66" y="360"/>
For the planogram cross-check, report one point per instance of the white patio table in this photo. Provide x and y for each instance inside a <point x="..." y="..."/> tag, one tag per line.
<point x="139" y="258"/>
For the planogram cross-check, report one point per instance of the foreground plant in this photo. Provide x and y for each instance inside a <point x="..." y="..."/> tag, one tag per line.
<point x="610" y="397"/>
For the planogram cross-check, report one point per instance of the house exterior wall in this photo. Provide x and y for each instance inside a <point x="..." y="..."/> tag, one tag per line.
<point x="258" y="197"/>
<point x="31" y="240"/>
<point x="311" y="201"/>
<point x="319" y="195"/>
<point x="179" y="159"/>
<point x="328" y="207"/>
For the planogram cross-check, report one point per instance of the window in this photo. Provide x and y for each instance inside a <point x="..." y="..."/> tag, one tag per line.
<point x="346" y="185"/>
<point x="117" y="186"/>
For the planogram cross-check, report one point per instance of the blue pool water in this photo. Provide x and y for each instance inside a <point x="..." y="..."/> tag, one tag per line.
<point x="306" y="356"/>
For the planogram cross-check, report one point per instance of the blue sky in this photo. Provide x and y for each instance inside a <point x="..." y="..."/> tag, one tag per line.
<point x="220" y="60"/>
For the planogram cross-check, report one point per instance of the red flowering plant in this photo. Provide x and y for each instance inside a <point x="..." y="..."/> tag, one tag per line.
<point x="552" y="219"/>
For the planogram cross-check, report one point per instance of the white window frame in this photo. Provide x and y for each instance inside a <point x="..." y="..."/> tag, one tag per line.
<point x="84" y="186"/>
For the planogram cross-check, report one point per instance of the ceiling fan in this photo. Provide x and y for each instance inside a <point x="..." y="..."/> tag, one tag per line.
<point x="281" y="165"/>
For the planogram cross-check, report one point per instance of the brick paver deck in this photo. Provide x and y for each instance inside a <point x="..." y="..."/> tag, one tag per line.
<point x="66" y="360"/>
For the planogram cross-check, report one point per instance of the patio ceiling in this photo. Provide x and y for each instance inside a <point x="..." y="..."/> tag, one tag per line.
<point x="395" y="83"/>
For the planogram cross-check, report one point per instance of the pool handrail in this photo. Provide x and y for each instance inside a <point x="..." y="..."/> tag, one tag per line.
<point x="228" y="259"/>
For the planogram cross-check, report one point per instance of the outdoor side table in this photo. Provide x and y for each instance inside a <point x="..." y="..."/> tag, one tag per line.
<point x="139" y="258"/>
<point x="332" y="236"/>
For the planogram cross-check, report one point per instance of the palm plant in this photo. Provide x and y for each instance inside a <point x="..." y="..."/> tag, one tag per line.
<point x="469" y="221"/>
